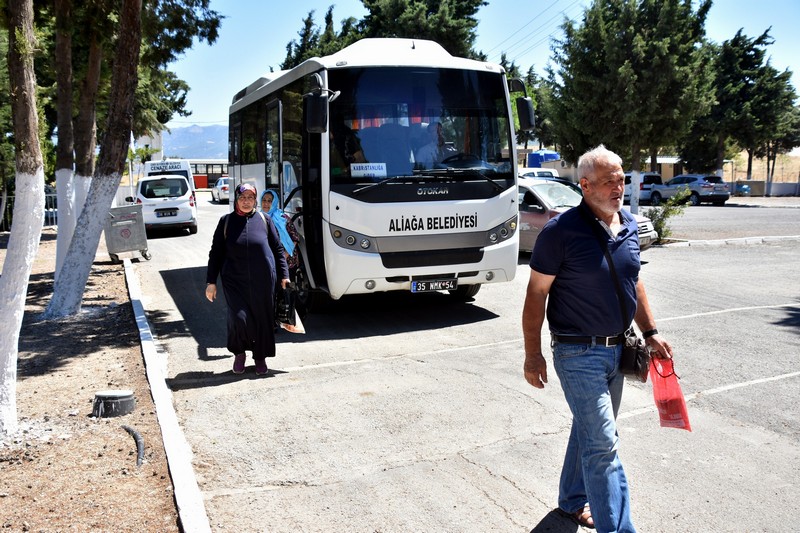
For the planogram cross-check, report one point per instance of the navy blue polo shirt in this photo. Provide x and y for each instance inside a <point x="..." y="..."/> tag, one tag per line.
<point x="583" y="299"/>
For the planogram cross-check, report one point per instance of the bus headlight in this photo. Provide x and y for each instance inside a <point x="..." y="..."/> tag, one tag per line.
<point x="503" y="232"/>
<point x="355" y="241"/>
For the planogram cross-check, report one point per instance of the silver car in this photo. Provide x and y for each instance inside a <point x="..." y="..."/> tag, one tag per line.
<point x="542" y="199"/>
<point x="220" y="192"/>
<point x="703" y="188"/>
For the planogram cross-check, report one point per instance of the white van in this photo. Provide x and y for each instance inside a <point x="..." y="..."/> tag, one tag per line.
<point x="170" y="166"/>
<point x="167" y="201"/>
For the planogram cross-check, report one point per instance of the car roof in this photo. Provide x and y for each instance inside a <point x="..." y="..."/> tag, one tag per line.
<point x="155" y="177"/>
<point x="531" y="180"/>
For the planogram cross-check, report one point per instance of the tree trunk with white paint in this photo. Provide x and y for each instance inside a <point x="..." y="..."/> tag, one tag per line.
<point x="23" y="243"/>
<point x="65" y="157"/>
<point x="68" y="288"/>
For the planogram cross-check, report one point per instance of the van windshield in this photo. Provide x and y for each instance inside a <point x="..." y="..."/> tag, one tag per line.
<point x="164" y="188"/>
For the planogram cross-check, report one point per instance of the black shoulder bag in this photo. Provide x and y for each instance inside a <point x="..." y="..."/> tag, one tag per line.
<point x="635" y="359"/>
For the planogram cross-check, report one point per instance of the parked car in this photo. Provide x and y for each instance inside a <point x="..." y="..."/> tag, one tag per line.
<point x="646" y="182"/>
<point x="167" y="202"/>
<point x="221" y="190"/>
<point x="704" y="188"/>
<point x="536" y="172"/>
<point x="542" y="199"/>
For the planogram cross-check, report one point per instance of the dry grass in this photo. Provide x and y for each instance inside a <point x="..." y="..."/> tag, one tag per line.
<point x="787" y="169"/>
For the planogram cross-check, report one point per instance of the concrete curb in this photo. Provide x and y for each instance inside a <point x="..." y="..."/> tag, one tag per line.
<point x="188" y="498"/>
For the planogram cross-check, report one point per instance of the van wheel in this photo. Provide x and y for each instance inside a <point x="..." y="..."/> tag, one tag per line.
<point x="655" y="199"/>
<point x="465" y="293"/>
<point x="193" y="229"/>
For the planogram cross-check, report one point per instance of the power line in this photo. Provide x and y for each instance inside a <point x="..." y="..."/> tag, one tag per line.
<point x="536" y="31"/>
<point x="521" y="28"/>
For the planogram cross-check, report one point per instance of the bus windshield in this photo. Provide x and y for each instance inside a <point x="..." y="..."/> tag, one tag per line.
<point x="413" y="123"/>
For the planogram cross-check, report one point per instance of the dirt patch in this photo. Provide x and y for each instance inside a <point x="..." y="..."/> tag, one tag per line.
<point x="64" y="469"/>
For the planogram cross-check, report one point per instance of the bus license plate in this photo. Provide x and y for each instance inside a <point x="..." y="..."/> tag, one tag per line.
<point x="167" y="213"/>
<point x="434" y="285"/>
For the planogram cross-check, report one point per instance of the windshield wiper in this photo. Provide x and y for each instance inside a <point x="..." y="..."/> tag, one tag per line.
<point x="459" y="173"/>
<point x="382" y="182"/>
<point x="433" y="173"/>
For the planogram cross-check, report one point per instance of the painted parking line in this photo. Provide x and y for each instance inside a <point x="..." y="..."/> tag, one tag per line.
<point x="725" y="388"/>
<point x="731" y="310"/>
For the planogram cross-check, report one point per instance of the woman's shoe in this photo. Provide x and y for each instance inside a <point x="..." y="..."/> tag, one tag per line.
<point x="238" y="363"/>
<point x="261" y="367"/>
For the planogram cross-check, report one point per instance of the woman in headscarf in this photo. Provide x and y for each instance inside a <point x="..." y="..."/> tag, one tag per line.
<point x="247" y="253"/>
<point x="286" y="230"/>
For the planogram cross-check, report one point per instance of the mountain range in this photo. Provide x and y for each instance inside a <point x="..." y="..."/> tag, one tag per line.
<point x="196" y="142"/>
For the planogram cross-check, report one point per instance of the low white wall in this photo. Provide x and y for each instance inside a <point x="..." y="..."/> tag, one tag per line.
<point x="785" y="189"/>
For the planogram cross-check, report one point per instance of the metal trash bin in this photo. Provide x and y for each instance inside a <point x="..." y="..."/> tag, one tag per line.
<point x="125" y="231"/>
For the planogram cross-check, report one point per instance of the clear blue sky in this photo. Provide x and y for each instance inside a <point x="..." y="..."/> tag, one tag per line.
<point x="254" y="35"/>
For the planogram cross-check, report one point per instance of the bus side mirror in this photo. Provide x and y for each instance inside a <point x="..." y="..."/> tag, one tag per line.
<point x="515" y="85"/>
<point x="316" y="112"/>
<point x="527" y="122"/>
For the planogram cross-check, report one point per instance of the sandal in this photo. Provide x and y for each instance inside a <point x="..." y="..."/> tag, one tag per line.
<point x="582" y="517"/>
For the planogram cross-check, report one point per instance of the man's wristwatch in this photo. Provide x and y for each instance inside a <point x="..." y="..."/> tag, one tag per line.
<point x="649" y="333"/>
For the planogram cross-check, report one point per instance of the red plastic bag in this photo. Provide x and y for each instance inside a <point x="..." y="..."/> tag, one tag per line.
<point x="668" y="395"/>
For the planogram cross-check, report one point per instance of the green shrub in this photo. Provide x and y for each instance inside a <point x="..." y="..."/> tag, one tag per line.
<point x="661" y="214"/>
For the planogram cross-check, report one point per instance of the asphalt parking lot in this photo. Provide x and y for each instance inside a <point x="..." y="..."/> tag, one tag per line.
<point x="398" y="413"/>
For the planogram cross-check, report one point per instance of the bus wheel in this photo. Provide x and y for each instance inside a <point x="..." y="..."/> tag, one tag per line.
<point x="308" y="300"/>
<point x="465" y="292"/>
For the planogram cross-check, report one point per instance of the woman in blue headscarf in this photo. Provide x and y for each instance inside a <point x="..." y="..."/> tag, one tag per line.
<point x="286" y="231"/>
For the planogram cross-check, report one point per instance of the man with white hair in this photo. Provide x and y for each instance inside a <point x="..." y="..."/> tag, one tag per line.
<point x="570" y="274"/>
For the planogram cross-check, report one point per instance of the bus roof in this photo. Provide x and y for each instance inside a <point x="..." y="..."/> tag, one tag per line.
<point x="374" y="53"/>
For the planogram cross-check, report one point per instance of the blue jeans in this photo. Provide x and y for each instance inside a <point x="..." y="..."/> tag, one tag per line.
<point x="592" y="469"/>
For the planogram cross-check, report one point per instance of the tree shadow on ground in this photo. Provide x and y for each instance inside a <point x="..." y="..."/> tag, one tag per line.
<point x="104" y="322"/>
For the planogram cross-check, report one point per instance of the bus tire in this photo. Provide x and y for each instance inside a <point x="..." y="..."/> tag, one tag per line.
<point x="308" y="300"/>
<point x="465" y="292"/>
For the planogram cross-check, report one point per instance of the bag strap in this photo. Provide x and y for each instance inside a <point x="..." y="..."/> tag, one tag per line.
<point x="670" y="372"/>
<point x="602" y="241"/>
